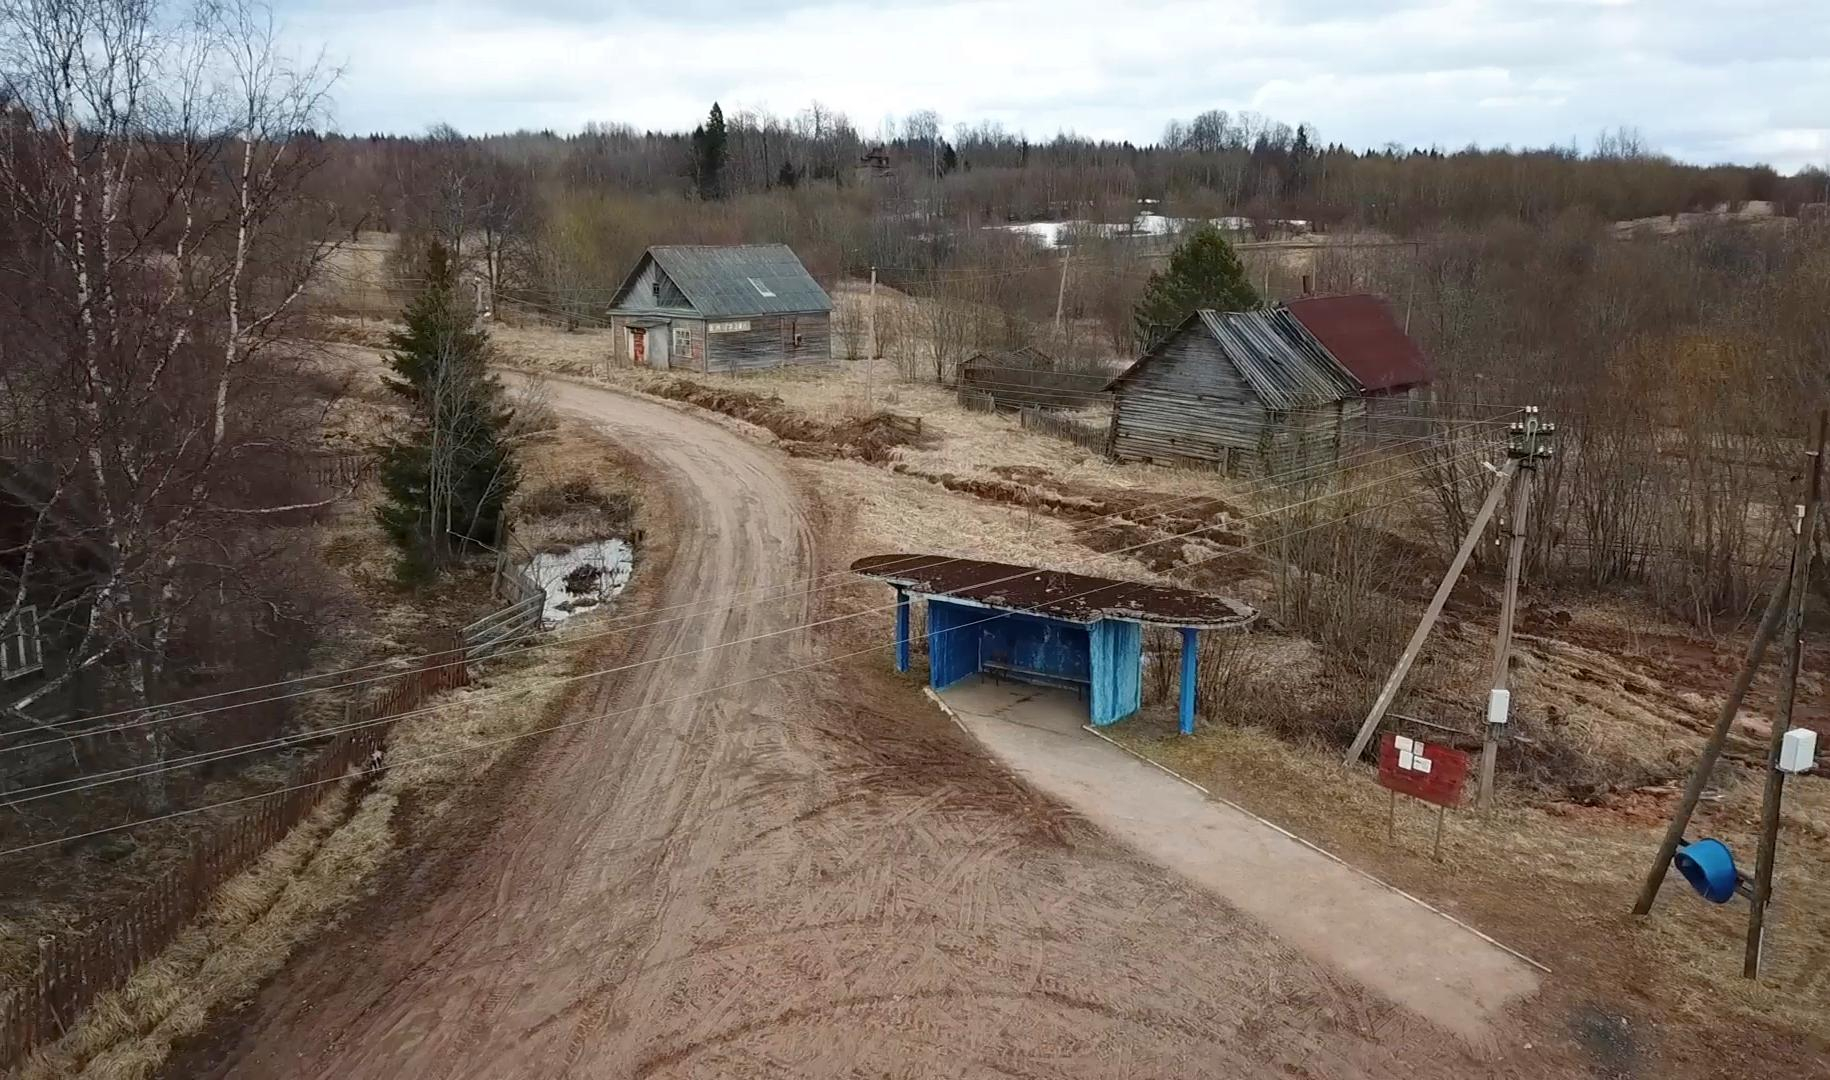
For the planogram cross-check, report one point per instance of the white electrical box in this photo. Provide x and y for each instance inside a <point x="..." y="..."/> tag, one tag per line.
<point x="1798" y="751"/>
<point x="1499" y="704"/>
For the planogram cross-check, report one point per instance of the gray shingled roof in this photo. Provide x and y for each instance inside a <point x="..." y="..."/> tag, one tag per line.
<point x="1275" y="353"/>
<point x="726" y="282"/>
<point x="1281" y="358"/>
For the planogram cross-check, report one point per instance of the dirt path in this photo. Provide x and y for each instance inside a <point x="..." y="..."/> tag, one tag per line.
<point x="812" y="876"/>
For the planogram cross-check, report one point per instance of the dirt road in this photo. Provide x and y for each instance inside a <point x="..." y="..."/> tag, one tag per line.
<point x="813" y="876"/>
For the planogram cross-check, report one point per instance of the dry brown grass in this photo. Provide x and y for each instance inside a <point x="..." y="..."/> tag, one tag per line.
<point x="1555" y="880"/>
<point x="248" y="930"/>
<point x="299" y="886"/>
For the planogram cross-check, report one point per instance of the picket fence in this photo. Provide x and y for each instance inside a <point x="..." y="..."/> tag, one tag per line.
<point x="77" y="967"/>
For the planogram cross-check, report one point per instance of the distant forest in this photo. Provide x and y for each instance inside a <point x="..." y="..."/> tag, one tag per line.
<point x="1215" y="163"/>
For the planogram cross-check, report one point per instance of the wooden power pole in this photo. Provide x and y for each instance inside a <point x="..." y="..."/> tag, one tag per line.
<point x="1528" y="444"/>
<point x="1805" y="526"/>
<point x="1778" y="606"/>
<point x="1389" y="692"/>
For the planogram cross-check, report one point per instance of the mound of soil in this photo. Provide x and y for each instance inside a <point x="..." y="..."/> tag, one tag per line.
<point x="872" y="438"/>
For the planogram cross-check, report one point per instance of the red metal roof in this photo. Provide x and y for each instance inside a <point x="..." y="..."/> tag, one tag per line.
<point x="1363" y="334"/>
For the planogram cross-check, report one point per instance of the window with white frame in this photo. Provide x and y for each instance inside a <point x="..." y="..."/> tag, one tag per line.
<point x="21" y="651"/>
<point x="683" y="341"/>
<point x="761" y="289"/>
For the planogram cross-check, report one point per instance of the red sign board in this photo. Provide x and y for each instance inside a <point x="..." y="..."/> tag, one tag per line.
<point x="1422" y="771"/>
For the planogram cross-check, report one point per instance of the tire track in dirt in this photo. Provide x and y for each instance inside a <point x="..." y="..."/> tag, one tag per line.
<point x="812" y="876"/>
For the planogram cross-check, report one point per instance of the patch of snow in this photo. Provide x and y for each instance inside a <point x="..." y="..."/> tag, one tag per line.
<point x="581" y="578"/>
<point x="1052" y="234"/>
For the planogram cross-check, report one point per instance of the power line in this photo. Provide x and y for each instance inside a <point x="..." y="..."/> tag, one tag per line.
<point x="280" y="742"/>
<point x="1132" y="512"/>
<point x="683" y="697"/>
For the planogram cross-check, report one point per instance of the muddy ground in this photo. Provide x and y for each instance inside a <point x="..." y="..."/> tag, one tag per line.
<point x="805" y="875"/>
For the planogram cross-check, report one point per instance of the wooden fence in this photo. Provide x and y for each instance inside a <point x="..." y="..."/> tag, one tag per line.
<point x="526" y="608"/>
<point x="1064" y="426"/>
<point x="75" y="968"/>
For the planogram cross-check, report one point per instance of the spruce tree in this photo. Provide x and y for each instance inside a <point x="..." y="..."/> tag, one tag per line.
<point x="709" y="155"/>
<point x="1204" y="272"/>
<point x="447" y="483"/>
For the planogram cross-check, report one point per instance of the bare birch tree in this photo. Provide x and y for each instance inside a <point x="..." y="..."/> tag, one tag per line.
<point x="150" y="177"/>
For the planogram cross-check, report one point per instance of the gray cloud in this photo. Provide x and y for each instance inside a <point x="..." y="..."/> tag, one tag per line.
<point x="1703" y="80"/>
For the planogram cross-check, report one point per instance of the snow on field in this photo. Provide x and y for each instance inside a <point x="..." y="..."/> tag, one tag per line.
<point x="580" y="578"/>
<point x="1053" y="234"/>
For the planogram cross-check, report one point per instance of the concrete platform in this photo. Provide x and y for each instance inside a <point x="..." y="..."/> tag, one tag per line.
<point x="1389" y="942"/>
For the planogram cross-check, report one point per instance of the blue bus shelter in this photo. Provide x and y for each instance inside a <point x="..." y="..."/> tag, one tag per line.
<point x="1047" y="627"/>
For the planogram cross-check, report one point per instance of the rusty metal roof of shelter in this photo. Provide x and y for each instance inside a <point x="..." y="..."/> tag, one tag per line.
<point x="1361" y="332"/>
<point x="1281" y="360"/>
<point x="1054" y="593"/>
<point x="736" y="280"/>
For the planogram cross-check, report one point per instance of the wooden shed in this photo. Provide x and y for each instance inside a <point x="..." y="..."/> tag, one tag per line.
<point x="1251" y="393"/>
<point x="720" y="309"/>
<point x="1029" y="378"/>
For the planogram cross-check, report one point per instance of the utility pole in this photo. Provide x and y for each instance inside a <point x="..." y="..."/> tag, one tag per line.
<point x="1067" y="253"/>
<point x="1528" y="444"/>
<point x="870" y="361"/>
<point x="1389" y="692"/>
<point x="874" y="352"/>
<point x="1805" y="526"/>
<point x="1776" y="607"/>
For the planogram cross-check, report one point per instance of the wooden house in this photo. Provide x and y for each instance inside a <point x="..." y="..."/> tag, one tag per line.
<point x="720" y="309"/>
<point x="1251" y="393"/>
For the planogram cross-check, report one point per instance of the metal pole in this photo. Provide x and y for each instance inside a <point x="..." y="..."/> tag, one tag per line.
<point x="1788" y="694"/>
<point x="875" y="348"/>
<point x="902" y="630"/>
<point x="871" y="360"/>
<point x="1061" y="293"/>
<point x="1190" y="658"/>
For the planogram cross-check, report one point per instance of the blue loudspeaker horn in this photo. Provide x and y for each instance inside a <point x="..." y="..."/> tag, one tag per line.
<point x="1710" y="868"/>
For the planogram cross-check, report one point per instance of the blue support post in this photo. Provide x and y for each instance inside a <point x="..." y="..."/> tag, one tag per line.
<point x="1189" y="656"/>
<point x="902" y="630"/>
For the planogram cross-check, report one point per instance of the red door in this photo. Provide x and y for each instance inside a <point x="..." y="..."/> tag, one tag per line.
<point x="638" y="345"/>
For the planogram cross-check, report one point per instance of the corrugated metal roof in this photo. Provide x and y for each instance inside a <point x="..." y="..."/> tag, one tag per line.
<point x="1365" y="336"/>
<point x="1282" y="361"/>
<point x="728" y="281"/>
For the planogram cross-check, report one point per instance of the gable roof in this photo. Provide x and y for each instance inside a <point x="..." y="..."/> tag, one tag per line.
<point x="1366" y="337"/>
<point x="721" y="282"/>
<point x="1282" y="362"/>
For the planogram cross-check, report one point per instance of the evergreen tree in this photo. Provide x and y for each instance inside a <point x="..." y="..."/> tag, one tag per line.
<point x="1203" y="272"/>
<point x="789" y="176"/>
<point x="709" y="155"/>
<point x="448" y="482"/>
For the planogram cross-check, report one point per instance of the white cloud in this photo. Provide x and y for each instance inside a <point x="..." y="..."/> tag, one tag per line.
<point x="1703" y="80"/>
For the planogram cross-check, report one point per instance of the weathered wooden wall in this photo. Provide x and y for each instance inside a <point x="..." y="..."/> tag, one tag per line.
<point x="1188" y="406"/>
<point x="768" y="343"/>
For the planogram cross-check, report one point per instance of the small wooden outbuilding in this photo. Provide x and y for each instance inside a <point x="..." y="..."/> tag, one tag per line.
<point x="720" y="309"/>
<point x="1029" y="378"/>
<point x="1252" y="393"/>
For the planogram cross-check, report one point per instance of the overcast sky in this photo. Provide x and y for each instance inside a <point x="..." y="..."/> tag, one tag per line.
<point x="1703" y="80"/>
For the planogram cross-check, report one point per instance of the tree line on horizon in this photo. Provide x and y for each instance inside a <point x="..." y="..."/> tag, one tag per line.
<point x="1241" y="164"/>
